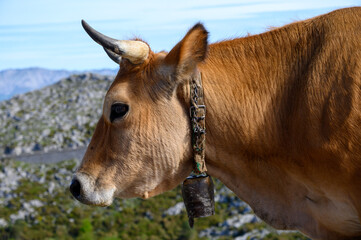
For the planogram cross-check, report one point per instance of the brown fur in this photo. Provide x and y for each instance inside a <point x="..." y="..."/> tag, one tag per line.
<point x="283" y="123"/>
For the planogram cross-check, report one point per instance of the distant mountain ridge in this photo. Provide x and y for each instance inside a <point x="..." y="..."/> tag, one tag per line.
<point x="18" y="81"/>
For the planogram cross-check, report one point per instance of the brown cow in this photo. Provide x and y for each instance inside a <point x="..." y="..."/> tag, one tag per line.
<point x="283" y="122"/>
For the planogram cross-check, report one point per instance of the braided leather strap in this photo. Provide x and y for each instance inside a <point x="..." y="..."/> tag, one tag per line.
<point x="198" y="114"/>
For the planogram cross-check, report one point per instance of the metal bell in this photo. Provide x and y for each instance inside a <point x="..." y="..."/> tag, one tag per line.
<point x="198" y="196"/>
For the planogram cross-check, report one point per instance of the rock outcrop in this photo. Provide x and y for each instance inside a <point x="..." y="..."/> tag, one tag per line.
<point x="56" y="117"/>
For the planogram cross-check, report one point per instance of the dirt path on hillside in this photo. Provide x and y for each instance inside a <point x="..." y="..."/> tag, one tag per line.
<point x="51" y="157"/>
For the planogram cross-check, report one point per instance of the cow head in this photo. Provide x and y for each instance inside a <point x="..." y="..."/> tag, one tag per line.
<point x="141" y="145"/>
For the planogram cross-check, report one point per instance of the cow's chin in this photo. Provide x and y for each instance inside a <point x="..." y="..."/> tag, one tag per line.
<point x="101" y="198"/>
<point x="89" y="193"/>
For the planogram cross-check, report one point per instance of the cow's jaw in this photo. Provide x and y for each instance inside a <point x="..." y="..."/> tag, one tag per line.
<point x="89" y="192"/>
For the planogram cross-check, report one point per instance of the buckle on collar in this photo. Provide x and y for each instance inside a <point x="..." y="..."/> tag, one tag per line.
<point x="193" y="112"/>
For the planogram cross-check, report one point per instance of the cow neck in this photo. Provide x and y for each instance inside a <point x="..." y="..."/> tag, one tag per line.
<point x="198" y="125"/>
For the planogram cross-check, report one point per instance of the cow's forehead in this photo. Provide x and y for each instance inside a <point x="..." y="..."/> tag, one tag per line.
<point x="119" y="92"/>
<point x="135" y="82"/>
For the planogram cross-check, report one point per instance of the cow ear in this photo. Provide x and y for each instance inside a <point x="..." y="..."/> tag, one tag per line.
<point x="190" y="51"/>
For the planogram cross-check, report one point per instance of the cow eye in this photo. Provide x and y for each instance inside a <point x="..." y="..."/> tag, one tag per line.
<point x="118" y="110"/>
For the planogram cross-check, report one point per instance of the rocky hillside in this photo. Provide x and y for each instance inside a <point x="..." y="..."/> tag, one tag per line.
<point x="35" y="204"/>
<point x="59" y="116"/>
<point x="17" y="81"/>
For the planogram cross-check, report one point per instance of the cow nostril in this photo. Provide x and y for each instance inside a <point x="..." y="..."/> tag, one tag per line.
<point x="75" y="188"/>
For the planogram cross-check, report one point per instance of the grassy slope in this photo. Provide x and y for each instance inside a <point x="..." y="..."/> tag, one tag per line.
<point x="62" y="217"/>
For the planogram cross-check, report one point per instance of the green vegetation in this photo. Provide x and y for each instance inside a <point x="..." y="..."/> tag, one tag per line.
<point x="61" y="217"/>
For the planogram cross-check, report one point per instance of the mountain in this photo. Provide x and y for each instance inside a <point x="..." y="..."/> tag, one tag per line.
<point x="59" y="116"/>
<point x="17" y="81"/>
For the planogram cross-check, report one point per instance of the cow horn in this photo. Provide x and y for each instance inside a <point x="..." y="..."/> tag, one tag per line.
<point x="115" y="57"/>
<point x="135" y="51"/>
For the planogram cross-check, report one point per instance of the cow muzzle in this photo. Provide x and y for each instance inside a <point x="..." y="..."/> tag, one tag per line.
<point x="84" y="189"/>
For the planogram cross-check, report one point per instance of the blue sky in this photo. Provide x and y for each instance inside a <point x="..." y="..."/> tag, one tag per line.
<point x="48" y="33"/>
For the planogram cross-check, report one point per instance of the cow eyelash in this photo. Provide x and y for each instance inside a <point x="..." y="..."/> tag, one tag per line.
<point x="118" y="110"/>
